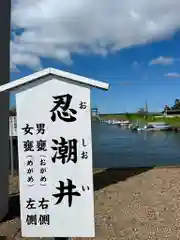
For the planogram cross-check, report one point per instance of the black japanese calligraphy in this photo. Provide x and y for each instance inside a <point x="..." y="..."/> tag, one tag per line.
<point x="29" y="162"/>
<point x="66" y="191"/>
<point x="31" y="219"/>
<point x="41" y="145"/>
<point x="28" y="146"/>
<point x="43" y="203"/>
<point x="65" y="113"/>
<point x="44" y="219"/>
<point x="82" y="105"/>
<point x="65" y="150"/>
<point x="30" y="170"/>
<point x="27" y="130"/>
<point x="30" y="179"/>
<point x="43" y="179"/>
<point x="42" y="161"/>
<point x="84" y="155"/>
<point x="30" y="204"/>
<point x="84" y="189"/>
<point x="83" y="143"/>
<point x="42" y="170"/>
<point x="40" y="128"/>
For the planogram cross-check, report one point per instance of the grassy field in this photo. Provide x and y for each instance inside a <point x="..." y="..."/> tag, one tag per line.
<point x="135" y="117"/>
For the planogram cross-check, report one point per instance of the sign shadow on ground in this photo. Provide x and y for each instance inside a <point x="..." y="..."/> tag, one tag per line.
<point x="112" y="176"/>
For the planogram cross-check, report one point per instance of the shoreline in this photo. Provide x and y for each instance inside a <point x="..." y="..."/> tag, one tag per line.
<point x="174" y="122"/>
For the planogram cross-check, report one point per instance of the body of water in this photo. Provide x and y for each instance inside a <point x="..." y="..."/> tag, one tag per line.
<point x="118" y="147"/>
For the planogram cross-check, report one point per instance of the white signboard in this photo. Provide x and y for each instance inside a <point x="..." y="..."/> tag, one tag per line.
<point x="55" y="159"/>
<point x="12" y="126"/>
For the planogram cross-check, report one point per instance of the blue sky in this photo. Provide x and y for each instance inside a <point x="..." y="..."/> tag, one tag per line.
<point x="132" y="80"/>
<point x="136" y="50"/>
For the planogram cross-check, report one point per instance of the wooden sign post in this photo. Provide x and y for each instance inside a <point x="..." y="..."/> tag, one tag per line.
<point x="55" y="153"/>
<point x="5" y="25"/>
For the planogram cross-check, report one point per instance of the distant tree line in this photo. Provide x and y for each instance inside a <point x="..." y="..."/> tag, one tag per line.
<point x="176" y="106"/>
<point x="141" y="111"/>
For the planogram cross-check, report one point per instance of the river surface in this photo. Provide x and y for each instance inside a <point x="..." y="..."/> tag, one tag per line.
<point x="119" y="147"/>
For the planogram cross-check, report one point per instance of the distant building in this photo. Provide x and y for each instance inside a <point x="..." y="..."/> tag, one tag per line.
<point x="146" y="107"/>
<point x="94" y="112"/>
<point x="144" y="111"/>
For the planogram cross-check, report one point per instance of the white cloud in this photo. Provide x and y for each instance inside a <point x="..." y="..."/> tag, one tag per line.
<point x="172" y="75"/>
<point x="162" y="61"/>
<point x="58" y="28"/>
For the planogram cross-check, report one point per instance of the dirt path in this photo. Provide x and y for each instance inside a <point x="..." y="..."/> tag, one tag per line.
<point x="129" y="204"/>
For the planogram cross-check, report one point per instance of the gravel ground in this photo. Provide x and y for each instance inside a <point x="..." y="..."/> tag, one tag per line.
<point x="130" y="204"/>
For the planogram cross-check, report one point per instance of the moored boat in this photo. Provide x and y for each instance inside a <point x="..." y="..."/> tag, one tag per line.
<point x="124" y="123"/>
<point x="115" y="122"/>
<point x="156" y="126"/>
<point x="133" y="127"/>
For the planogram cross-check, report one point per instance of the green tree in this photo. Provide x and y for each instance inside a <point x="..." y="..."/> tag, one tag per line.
<point x="176" y="104"/>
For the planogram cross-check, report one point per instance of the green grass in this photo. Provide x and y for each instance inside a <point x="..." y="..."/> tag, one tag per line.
<point x="113" y="116"/>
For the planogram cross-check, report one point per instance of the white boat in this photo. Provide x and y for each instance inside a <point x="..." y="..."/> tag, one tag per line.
<point x="108" y="121"/>
<point x="115" y="122"/>
<point x="124" y="123"/>
<point x="156" y="126"/>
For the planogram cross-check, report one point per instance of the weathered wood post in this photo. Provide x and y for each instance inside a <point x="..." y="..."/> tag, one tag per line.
<point x="55" y="153"/>
<point x="4" y="109"/>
